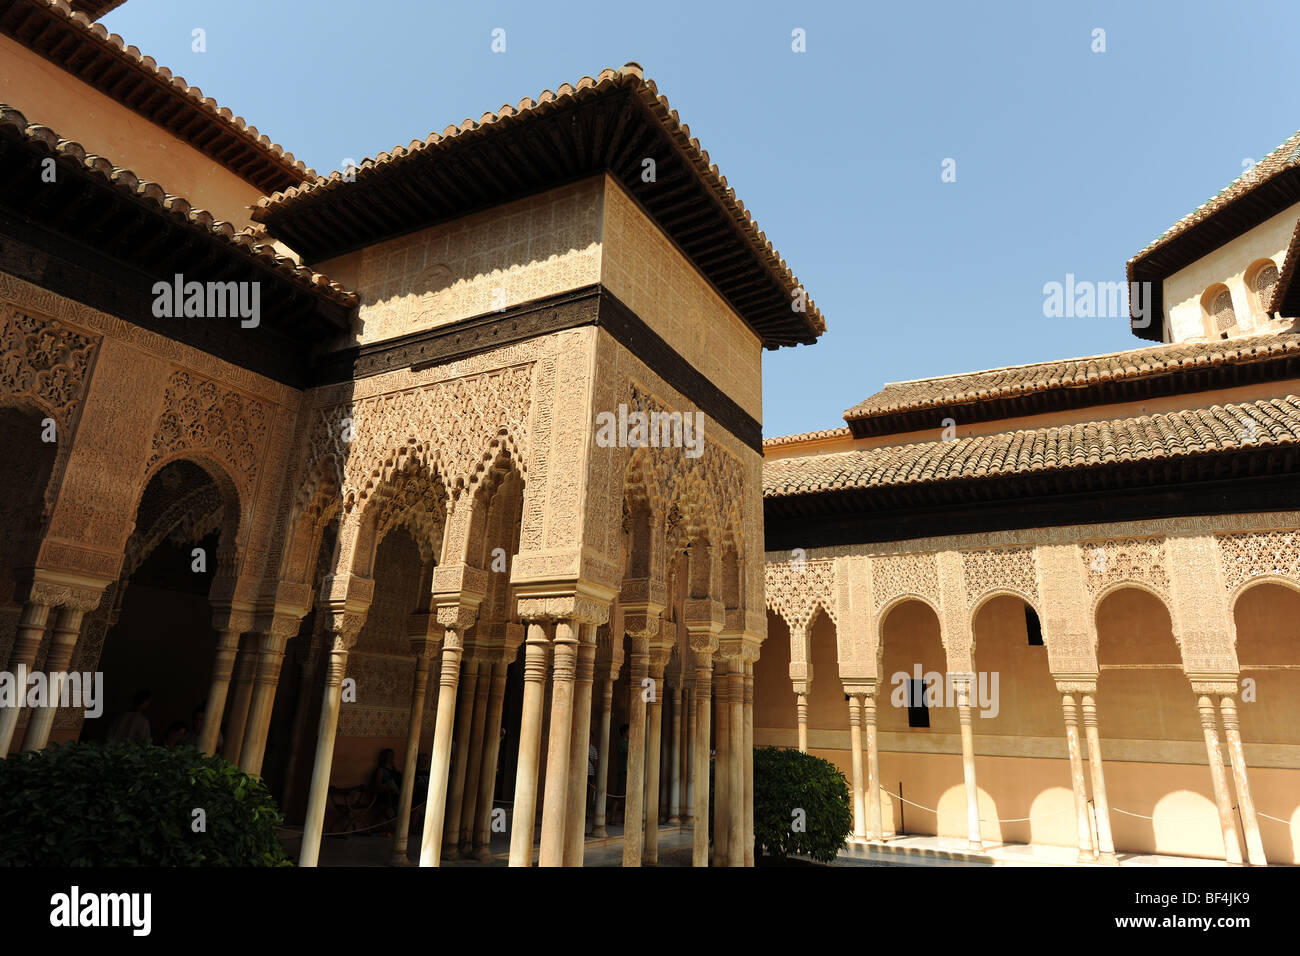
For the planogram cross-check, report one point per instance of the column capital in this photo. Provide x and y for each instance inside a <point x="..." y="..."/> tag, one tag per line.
<point x="57" y="589"/>
<point x="1077" y="685"/>
<point x="1222" y="685"/>
<point x="575" y="607"/>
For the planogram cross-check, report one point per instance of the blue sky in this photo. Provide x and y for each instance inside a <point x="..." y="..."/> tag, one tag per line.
<point x="1067" y="161"/>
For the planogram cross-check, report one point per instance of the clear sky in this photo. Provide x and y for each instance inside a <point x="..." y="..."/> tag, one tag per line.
<point x="1066" y="160"/>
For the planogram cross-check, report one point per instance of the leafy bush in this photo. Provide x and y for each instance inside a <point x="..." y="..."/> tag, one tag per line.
<point x="789" y="781"/>
<point x="123" y="804"/>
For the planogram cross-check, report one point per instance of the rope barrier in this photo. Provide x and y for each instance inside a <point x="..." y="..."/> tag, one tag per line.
<point x="982" y="819"/>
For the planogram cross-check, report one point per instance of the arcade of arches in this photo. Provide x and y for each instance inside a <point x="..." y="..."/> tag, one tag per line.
<point x="1149" y="679"/>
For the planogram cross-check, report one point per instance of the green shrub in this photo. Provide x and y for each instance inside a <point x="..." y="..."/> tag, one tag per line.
<point x="789" y="781"/>
<point x="122" y="804"/>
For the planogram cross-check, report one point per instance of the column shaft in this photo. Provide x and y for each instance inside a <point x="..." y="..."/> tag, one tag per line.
<point x="1245" y="802"/>
<point x="27" y="640"/>
<point x="654" y="747"/>
<point x="63" y="641"/>
<point x="478" y="743"/>
<point x="575" y="823"/>
<point x="968" y="766"/>
<point x="675" y="758"/>
<point x="602" y="761"/>
<point x="435" y="804"/>
<point x="736" y="765"/>
<point x="491" y="753"/>
<point x="1222" y="799"/>
<point x="269" y="659"/>
<point x="318" y="795"/>
<point x="240" y="699"/>
<point x="556" y="801"/>
<point x="700" y="742"/>
<point x="530" y="741"/>
<point x="722" y="751"/>
<point x="749" y="763"/>
<point x="692" y="722"/>
<point x="414" y="724"/>
<point x="1078" y="782"/>
<point x="1101" y="806"/>
<point x="874" y="813"/>
<point x="634" y="801"/>
<point x="855" y="741"/>
<point x="223" y="662"/>
<point x="464" y="718"/>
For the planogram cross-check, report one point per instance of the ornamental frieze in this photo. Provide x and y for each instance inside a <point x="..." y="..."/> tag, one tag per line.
<point x="795" y="589"/>
<point x="1248" y="555"/>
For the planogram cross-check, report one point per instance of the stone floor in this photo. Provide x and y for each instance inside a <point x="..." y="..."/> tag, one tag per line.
<point x="908" y="850"/>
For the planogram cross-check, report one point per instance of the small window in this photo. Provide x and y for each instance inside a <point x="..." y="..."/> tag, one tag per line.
<point x="1033" y="628"/>
<point x="918" y="713"/>
<point x="1220" y="316"/>
<point x="1263" y="280"/>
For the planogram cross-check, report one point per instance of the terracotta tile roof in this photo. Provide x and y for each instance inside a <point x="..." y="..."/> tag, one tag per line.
<point x="522" y="147"/>
<point x="13" y="123"/>
<point x="66" y="36"/>
<point x="1284" y="157"/>
<point x="1075" y="382"/>
<point x="95" y="8"/>
<point x="1286" y="294"/>
<point x="1269" y="187"/>
<point x="1148" y="438"/>
<point x="777" y="440"/>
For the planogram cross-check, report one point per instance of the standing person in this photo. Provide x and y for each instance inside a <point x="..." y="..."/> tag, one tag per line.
<point x="192" y="738"/>
<point x="133" y="726"/>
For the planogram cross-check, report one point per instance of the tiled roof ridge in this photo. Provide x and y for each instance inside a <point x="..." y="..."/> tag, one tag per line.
<point x="631" y="75"/>
<point x="841" y="432"/>
<point x="177" y="207"/>
<point x="1238" y="187"/>
<point x="1055" y="448"/>
<point x="1139" y="362"/>
<point x="131" y="55"/>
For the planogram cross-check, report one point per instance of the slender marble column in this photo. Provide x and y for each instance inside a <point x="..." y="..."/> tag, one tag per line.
<point x="692" y="721"/>
<point x="435" y="805"/>
<point x="414" y="724"/>
<point x="968" y="762"/>
<point x="700" y="778"/>
<point x="855" y="741"/>
<point x="223" y="663"/>
<point x="477" y="743"/>
<point x="491" y="753"/>
<point x="318" y="795"/>
<point x="63" y="641"/>
<point x="602" y="762"/>
<point x="675" y="759"/>
<point x="874" y="813"/>
<point x="241" y="698"/>
<point x="722" y="752"/>
<point x="460" y="761"/>
<point x="555" y="803"/>
<point x="530" y="740"/>
<point x="269" y="660"/>
<point x="801" y="715"/>
<point x="1246" y="803"/>
<point x="575" y="823"/>
<point x="749" y="763"/>
<point x="653" y="762"/>
<point x="736" y="765"/>
<point x="1222" y="799"/>
<point x="1078" y="782"/>
<point x="1101" y="805"/>
<point x="27" y="641"/>
<point x="634" y="802"/>
<point x="665" y="753"/>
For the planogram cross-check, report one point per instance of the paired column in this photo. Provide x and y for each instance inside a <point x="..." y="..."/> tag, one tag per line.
<point x="424" y="650"/>
<point x="736" y="765"/>
<point x="555" y="804"/>
<point x="346" y="628"/>
<point x="1101" y="805"/>
<point x="462" y="758"/>
<point x="721" y="769"/>
<point x="1222" y="798"/>
<point x="270" y="658"/>
<point x="241" y="697"/>
<point x="575" y="832"/>
<point x="63" y="641"/>
<point x="530" y="737"/>
<point x="27" y="641"/>
<point x="223" y="663"/>
<point x="749" y="762"/>
<point x="491" y="753"/>
<point x="1078" y="782"/>
<point x="456" y="619"/>
<point x="1245" y="802"/>
<point x="690" y="702"/>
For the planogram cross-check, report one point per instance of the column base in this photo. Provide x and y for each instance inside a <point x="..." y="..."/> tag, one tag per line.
<point x="483" y="854"/>
<point x="674" y="821"/>
<point x="975" y="845"/>
<point x="400" y="859"/>
<point x="599" y="833"/>
<point x="1107" y="859"/>
<point x="451" y="853"/>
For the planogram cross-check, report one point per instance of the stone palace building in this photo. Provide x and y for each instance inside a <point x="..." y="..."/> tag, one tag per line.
<point x="459" y="452"/>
